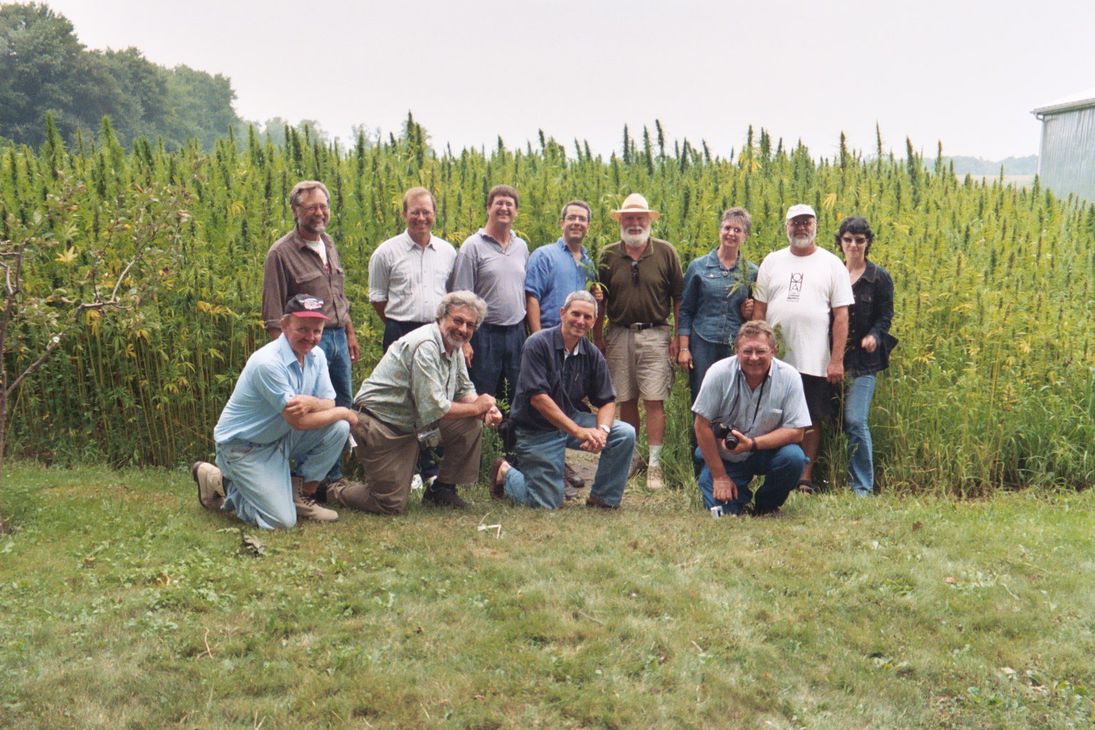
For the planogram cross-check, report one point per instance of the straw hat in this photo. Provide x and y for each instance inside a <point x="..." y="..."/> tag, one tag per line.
<point x="635" y="203"/>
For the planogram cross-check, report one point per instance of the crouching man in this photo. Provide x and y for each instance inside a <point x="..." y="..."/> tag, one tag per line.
<point x="420" y="392"/>
<point x="560" y="368"/>
<point x="758" y="403"/>
<point x="282" y="409"/>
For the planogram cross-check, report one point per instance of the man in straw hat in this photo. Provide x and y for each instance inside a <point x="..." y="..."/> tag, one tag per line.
<point x="643" y="281"/>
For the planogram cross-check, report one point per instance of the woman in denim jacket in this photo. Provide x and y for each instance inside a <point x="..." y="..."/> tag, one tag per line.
<point x="869" y="345"/>
<point x="716" y="299"/>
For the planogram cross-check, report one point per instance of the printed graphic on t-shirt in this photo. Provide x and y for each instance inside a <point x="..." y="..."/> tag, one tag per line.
<point x="794" y="291"/>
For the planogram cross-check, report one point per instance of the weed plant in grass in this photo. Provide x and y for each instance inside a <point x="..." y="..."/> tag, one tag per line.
<point x="124" y="604"/>
<point x="993" y="383"/>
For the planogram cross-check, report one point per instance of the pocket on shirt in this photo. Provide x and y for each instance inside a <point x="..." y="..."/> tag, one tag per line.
<point x="768" y="420"/>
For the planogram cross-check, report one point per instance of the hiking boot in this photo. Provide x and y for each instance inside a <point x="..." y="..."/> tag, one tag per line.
<point x="572" y="478"/>
<point x="497" y="481"/>
<point x="443" y="496"/>
<point x="654" y="480"/>
<point x="210" y="483"/>
<point x="600" y="503"/>
<point x="307" y="509"/>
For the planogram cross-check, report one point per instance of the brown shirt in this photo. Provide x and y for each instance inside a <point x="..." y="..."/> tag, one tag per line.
<point x="292" y="268"/>
<point x="648" y="294"/>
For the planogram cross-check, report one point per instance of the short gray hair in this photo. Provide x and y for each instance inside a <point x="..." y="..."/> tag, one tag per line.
<point x="462" y="300"/>
<point x="756" y="328"/>
<point x="741" y="213"/>
<point x="304" y="186"/>
<point x="581" y="296"/>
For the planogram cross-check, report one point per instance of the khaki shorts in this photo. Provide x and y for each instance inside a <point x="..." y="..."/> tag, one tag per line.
<point x="638" y="361"/>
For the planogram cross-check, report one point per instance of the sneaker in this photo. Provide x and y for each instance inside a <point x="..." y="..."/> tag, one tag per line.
<point x="654" y="479"/>
<point x="497" y="483"/>
<point x="443" y="496"/>
<point x="600" y="503"/>
<point x="307" y="508"/>
<point x="210" y="483"/>
<point x="416" y="482"/>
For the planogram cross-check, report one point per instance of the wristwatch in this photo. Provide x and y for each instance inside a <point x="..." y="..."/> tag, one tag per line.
<point x="605" y="428"/>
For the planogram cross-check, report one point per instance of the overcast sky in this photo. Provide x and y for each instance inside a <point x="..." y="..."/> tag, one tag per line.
<point x="963" y="72"/>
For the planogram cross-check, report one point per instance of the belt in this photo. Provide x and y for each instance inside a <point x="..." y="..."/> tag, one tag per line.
<point x="639" y="326"/>
<point x="370" y="414"/>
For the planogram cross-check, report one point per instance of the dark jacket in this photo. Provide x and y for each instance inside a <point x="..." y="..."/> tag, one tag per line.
<point x="870" y="315"/>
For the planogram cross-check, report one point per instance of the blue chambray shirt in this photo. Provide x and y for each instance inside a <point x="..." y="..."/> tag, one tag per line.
<point x="270" y="378"/>
<point x="553" y="275"/>
<point x="710" y="304"/>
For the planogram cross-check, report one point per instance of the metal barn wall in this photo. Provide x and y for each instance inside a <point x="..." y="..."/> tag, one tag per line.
<point x="1067" y="162"/>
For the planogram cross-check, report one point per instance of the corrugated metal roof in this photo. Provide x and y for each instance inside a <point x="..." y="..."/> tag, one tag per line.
<point x="1080" y="100"/>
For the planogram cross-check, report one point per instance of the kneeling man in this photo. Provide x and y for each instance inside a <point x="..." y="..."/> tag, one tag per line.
<point x="759" y="402"/>
<point x="560" y="368"/>
<point x="420" y="392"/>
<point x="282" y="409"/>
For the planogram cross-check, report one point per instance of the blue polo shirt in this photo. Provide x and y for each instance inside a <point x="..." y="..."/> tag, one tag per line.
<point x="270" y="378"/>
<point x="546" y="367"/>
<point x="552" y="275"/>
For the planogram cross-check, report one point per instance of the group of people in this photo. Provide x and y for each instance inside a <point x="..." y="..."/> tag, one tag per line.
<point x="467" y="330"/>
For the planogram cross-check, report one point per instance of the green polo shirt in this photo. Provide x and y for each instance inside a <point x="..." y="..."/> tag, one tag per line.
<point x="645" y="292"/>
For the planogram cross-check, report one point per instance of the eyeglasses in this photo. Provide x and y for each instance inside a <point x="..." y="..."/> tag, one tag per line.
<point x="461" y="322"/>
<point x="576" y="219"/>
<point x="754" y="352"/>
<point x="856" y="240"/>
<point x="317" y="208"/>
<point x="635" y="272"/>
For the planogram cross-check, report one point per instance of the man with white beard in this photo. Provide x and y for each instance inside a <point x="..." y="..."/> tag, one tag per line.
<point x="798" y="289"/>
<point x="643" y="281"/>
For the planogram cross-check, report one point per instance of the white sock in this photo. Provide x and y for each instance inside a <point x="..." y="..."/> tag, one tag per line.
<point x="655" y="453"/>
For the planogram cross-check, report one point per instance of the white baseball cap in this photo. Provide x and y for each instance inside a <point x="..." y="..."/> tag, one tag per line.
<point x="801" y="209"/>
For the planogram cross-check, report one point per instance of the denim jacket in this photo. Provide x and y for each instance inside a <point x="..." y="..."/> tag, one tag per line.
<point x="710" y="304"/>
<point x="870" y="315"/>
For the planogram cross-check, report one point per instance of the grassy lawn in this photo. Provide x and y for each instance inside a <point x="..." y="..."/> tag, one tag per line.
<point x="123" y="604"/>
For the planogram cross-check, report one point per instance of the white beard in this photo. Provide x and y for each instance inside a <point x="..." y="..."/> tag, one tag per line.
<point x="801" y="242"/>
<point x="635" y="241"/>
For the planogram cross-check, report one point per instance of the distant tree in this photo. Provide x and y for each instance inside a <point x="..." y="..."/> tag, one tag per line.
<point x="201" y="105"/>
<point x="39" y="64"/>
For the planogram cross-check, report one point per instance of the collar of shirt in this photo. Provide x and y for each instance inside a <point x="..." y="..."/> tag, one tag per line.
<point x="288" y="357"/>
<point x="711" y="261"/>
<point x="870" y="273"/>
<point x="562" y="244"/>
<point x="648" y="251"/>
<point x="412" y="244"/>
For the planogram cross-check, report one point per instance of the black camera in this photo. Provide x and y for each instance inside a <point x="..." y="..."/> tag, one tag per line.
<point x="722" y="433"/>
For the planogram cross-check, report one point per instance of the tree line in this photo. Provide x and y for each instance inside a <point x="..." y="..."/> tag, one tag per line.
<point x="45" y="70"/>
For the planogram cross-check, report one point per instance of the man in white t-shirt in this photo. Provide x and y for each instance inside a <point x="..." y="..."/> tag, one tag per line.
<point x="801" y="289"/>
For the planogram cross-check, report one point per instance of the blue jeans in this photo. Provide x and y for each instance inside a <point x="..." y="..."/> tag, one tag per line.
<point x="704" y="355"/>
<point x="337" y="351"/>
<point x="497" y="354"/>
<point x="540" y="455"/>
<point x="256" y="476"/>
<point x="781" y="469"/>
<point x="858" y="392"/>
